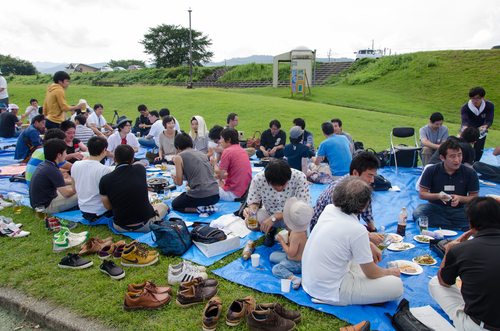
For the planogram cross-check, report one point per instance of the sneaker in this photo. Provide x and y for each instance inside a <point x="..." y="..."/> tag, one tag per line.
<point x="145" y="300"/>
<point x="135" y="257"/>
<point x="109" y="250"/>
<point x="68" y="224"/>
<point x="112" y="270"/>
<point x="263" y="320"/>
<point x="68" y="233"/>
<point x="65" y="239"/>
<point x="186" y="274"/>
<point x="185" y="262"/>
<point x="12" y="230"/>
<point x="117" y="254"/>
<point x="211" y="314"/>
<point x="363" y="326"/>
<point x="149" y="285"/>
<point x="73" y="261"/>
<point x="195" y="295"/>
<point x="8" y="220"/>
<point x="296" y="282"/>
<point x="199" y="281"/>
<point x="269" y="241"/>
<point x="139" y="245"/>
<point x="94" y="245"/>
<point x="4" y="204"/>
<point x="52" y="224"/>
<point x="291" y="315"/>
<point x="239" y="310"/>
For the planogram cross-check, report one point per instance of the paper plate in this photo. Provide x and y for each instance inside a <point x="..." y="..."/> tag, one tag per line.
<point x="420" y="236"/>
<point x="400" y="247"/>
<point x="176" y="194"/>
<point x="402" y="263"/>
<point x="447" y="233"/>
<point x="415" y="260"/>
<point x="153" y="169"/>
<point x="397" y="238"/>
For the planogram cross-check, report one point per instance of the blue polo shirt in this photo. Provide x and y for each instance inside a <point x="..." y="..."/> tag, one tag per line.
<point x="336" y="149"/>
<point x="32" y="134"/>
<point x="462" y="182"/>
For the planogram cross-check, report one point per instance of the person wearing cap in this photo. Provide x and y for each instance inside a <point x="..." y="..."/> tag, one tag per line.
<point x="307" y="137"/>
<point x="336" y="149"/>
<point x="296" y="153"/>
<point x="234" y="172"/>
<point x="8" y="121"/>
<point x="4" y="95"/>
<point x="122" y="137"/>
<point x="98" y="123"/>
<point x="297" y="216"/>
<point x="55" y="106"/>
<point x="339" y="263"/>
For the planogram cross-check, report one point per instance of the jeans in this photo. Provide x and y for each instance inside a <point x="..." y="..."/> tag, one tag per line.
<point x="488" y="172"/>
<point x="443" y="216"/>
<point x="161" y="210"/>
<point x="284" y="267"/>
<point x="279" y="154"/>
<point x="147" y="142"/>
<point x="51" y="125"/>
<point x="183" y="201"/>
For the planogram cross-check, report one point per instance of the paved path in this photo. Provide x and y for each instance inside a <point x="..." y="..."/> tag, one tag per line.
<point x="11" y="321"/>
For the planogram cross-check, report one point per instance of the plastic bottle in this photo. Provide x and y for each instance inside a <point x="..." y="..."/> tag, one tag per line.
<point x="248" y="250"/>
<point x="403" y="216"/>
<point x="383" y="245"/>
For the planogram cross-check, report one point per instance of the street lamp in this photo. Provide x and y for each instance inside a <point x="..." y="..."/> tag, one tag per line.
<point x="190" y="49"/>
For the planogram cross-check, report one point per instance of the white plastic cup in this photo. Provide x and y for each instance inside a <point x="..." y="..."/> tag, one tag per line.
<point x="255" y="260"/>
<point x="285" y="285"/>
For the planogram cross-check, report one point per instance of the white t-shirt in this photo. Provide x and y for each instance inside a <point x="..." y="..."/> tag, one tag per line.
<point x="32" y="114"/>
<point x="3" y="84"/>
<point x="155" y="131"/>
<point x="98" y="121"/>
<point x="336" y="239"/>
<point x="114" y="140"/>
<point x="177" y="126"/>
<point x="87" y="174"/>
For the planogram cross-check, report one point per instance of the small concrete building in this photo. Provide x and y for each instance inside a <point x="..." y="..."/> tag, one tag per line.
<point x="300" y="58"/>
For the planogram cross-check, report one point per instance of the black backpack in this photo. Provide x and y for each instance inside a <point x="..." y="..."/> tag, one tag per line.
<point x="207" y="234"/>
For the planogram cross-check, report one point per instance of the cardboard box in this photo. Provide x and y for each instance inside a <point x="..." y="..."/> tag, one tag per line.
<point x="231" y="243"/>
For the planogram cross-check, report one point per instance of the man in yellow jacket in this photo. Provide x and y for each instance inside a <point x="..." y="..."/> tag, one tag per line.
<point x="55" y="106"/>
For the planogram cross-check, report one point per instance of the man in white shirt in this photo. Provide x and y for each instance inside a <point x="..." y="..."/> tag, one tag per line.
<point x="339" y="261"/>
<point x="98" y="122"/>
<point x="87" y="174"/>
<point x="4" y="95"/>
<point x="153" y="137"/>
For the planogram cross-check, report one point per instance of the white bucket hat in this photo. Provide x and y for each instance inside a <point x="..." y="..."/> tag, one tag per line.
<point x="297" y="215"/>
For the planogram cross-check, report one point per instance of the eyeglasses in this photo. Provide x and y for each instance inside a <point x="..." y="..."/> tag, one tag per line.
<point x="476" y="98"/>
<point x="128" y="125"/>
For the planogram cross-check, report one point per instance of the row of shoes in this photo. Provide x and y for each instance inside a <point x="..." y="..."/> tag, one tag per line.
<point x="66" y="239"/>
<point x="10" y="229"/>
<point x="108" y="267"/>
<point x="264" y="316"/>
<point x="136" y="255"/>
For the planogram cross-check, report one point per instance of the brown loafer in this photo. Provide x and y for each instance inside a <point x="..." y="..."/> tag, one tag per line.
<point x="151" y="286"/>
<point x="195" y="295"/>
<point x="211" y="314"/>
<point x="239" y="310"/>
<point x="198" y="281"/>
<point x="94" y="245"/>
<point x="363" y="326"/>
<point x="263" y="320"/>
<point x="145" y="300"/>
<point x="291" y="315"/>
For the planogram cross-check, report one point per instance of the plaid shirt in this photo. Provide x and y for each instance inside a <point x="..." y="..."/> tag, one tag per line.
<point x="326" y="198"/>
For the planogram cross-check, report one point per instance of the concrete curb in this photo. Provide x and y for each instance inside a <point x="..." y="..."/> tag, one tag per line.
<point x="47" y="314"/>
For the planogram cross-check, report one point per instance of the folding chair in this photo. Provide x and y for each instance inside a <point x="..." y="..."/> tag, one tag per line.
<point x="404" y="132"/>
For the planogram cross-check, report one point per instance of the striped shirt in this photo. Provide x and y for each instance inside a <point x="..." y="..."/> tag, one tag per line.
<point x="83" y="134"/>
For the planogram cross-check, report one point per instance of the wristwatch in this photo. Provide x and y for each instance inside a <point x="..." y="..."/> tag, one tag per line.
<point x="273" y="219"/>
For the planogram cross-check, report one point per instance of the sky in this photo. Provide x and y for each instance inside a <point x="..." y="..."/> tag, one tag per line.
<point x="92" y="31"/>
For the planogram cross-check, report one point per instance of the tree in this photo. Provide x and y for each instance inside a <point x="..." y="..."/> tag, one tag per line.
<point x="126" y="63"/>
<point x="16" y="66"/>
<point x="169" y="45"/>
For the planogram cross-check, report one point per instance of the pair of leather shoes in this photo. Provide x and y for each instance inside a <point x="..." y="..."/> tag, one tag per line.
<point x="363" y="326"/>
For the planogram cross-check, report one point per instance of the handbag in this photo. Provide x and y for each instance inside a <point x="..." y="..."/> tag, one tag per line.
<point x="383" y="156"/>
<point x="151" y="155"/>
<point x="403" y="319"/>
<point x="207" y="234"/>
<point x="171" y="236"/>
<point x="254" y="142"/>
<point x="380" y="183"/>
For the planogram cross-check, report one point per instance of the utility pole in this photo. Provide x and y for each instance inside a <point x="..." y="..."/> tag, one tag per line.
<point x="190" y="49"/>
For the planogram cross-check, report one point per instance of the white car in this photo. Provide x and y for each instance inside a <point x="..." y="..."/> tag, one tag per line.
<point x="106" y="69"/>
<point x="369" y="53"/>
<point x="119" y="68"/>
